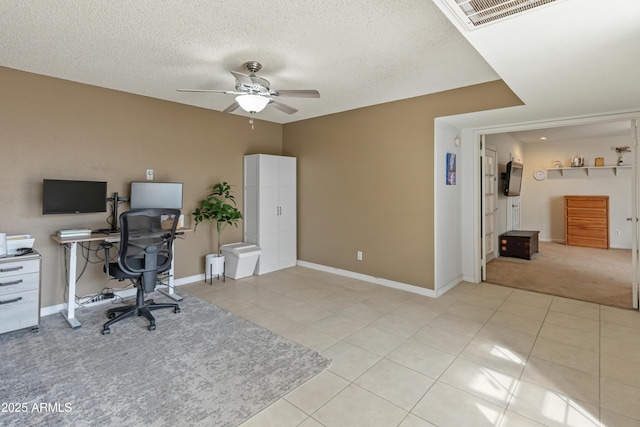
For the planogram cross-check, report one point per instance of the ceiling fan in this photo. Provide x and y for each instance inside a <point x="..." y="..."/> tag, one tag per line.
<point x="253" y="93"/>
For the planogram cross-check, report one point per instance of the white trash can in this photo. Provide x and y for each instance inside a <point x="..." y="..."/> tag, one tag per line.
<point x="240" y="259"/>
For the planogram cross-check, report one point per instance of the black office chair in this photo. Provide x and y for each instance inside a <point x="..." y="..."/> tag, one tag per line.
<point x="145" y="251"/>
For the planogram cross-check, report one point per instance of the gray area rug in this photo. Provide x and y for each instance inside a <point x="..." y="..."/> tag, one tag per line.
<point x="202" y="366"/>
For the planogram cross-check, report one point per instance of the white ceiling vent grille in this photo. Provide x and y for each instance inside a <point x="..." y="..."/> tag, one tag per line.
<point x="477" y="13"/>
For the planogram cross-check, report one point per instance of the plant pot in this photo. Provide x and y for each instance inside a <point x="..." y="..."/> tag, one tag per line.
<point x="214" y="266"/>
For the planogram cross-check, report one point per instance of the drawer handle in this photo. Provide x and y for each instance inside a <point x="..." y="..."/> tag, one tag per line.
<point x="5" y="270"/>
<point x="9" y="301"/>
<point x="15" y="282"/>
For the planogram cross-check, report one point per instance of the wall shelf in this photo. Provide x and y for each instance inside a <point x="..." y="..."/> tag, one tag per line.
<point x="587" y="169"/>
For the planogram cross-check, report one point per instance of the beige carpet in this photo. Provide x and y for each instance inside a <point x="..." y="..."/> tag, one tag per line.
<point x="596" y="275"/>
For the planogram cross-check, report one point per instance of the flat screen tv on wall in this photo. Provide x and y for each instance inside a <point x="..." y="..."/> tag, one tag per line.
<point x="63" y="196"/>
<point x="513" y="179"/>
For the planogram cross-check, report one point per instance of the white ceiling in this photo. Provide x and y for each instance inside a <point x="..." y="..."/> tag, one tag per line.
<point x="576" y="57"/>
<point x="600" y="129"/>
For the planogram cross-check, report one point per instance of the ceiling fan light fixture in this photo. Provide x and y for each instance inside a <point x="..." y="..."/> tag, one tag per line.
<point x="252" y="103"/>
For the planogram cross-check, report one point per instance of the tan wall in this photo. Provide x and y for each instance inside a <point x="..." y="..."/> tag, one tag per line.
<point x="51" y="128"/>
<point x="366" y="179"/>
<point x="365" y="176"/>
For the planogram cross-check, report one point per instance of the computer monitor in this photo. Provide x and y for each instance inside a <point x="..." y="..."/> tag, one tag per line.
<point x="64" y="196"/>
<point x="150" y="194"/>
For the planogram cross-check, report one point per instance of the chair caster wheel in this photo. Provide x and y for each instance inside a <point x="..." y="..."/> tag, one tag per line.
<point x="106" y="331"/>
<point x="152" y="327"/>
<point x="176" y="310"/>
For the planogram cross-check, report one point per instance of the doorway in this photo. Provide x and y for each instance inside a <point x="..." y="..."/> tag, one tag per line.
<point x="554" y="228"/>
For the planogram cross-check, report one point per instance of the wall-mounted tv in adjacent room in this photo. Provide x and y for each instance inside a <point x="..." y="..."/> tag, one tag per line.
<point x="513" y="179"/>
<point x="150" y="194"/>
<point x="64" y="196"/>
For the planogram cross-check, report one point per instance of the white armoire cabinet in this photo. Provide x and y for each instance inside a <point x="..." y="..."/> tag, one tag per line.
<point x="270" y="209"/>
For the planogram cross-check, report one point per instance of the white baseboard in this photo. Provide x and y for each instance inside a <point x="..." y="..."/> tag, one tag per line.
<point x="449" y="285"/>
<point x="53" y="309"/>
<point x="383" y="282"/>
<point x="467" y="278"/>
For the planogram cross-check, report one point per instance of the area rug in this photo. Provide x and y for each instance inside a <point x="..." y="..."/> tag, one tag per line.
<point x="202" y="366"/>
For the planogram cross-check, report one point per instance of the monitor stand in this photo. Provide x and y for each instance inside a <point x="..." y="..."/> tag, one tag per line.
<point x="114" y="213"/>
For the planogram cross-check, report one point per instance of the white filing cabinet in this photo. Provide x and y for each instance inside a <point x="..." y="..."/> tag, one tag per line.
<point x="270" y="209"/>
<point x="19" y="292"/>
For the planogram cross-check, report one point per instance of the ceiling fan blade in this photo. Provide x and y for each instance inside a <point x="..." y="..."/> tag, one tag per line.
<point x="227" y="92"/>
<point x="311" y="93"/>
<point x="243" y="79"/>
<point x="231" y="108"/>
<point x="283" y="107"/>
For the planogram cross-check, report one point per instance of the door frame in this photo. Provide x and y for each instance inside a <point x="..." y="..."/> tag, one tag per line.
<point x="474" y="206"/>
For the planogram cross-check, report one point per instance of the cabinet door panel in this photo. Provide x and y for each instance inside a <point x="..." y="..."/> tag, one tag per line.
<point x="269" y="171"/>
<point x="287" y="172"/>
<point x="287" y="208"/>
<point x="287" y="248"/>
<point x="250" y="211"/>
<point x="269" y="209"/>
<point x="268" y="260"/>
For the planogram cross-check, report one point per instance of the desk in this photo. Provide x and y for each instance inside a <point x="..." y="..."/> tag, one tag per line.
<point x="72" y="244"/>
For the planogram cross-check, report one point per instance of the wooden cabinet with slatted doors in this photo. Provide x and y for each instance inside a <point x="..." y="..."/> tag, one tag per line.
<point x="586" y="221"/>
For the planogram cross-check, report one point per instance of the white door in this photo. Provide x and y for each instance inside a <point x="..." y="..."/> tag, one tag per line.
<point x="513" y="213"/>
<point x="483" y="210"/>
<point x="490" y="201"/>
<point x="635" y="209"/>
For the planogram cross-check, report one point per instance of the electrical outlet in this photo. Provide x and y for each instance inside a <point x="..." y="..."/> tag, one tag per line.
<point x="617" y="232"/>
<point x="359" y="255"/>
<point x="149" y="174"/>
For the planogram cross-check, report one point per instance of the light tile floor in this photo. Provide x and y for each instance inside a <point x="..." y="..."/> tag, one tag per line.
<point x="480" y="355"/>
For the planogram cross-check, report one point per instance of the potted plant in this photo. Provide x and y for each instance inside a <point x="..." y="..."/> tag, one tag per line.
<point x="218" y="207"/>
<point x="621" y="151"/>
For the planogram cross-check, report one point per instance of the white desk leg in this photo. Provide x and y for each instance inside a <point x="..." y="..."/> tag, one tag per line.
<point x="69" y="313"/>
<point x="170" y="292"/>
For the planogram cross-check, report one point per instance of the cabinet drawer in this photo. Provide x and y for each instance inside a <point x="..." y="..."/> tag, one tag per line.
<point x="589" y="242"/>
<point x="12" y="268"/>
<point x="587" y="222"/>
<point x="586" y="213"/>
<point x="587" y="232"/>
<point x="586" y="202"/>
<point x="19" y="283"/>
<point x="19" y="310"/>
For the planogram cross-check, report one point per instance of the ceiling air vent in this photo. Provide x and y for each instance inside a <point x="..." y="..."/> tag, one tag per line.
<point x="477" y="13"/>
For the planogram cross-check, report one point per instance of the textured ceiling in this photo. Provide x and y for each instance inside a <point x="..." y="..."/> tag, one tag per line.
<point x="573" y="58"/>
<point x="356" y="53"/>
<point x="562" y="134"/>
